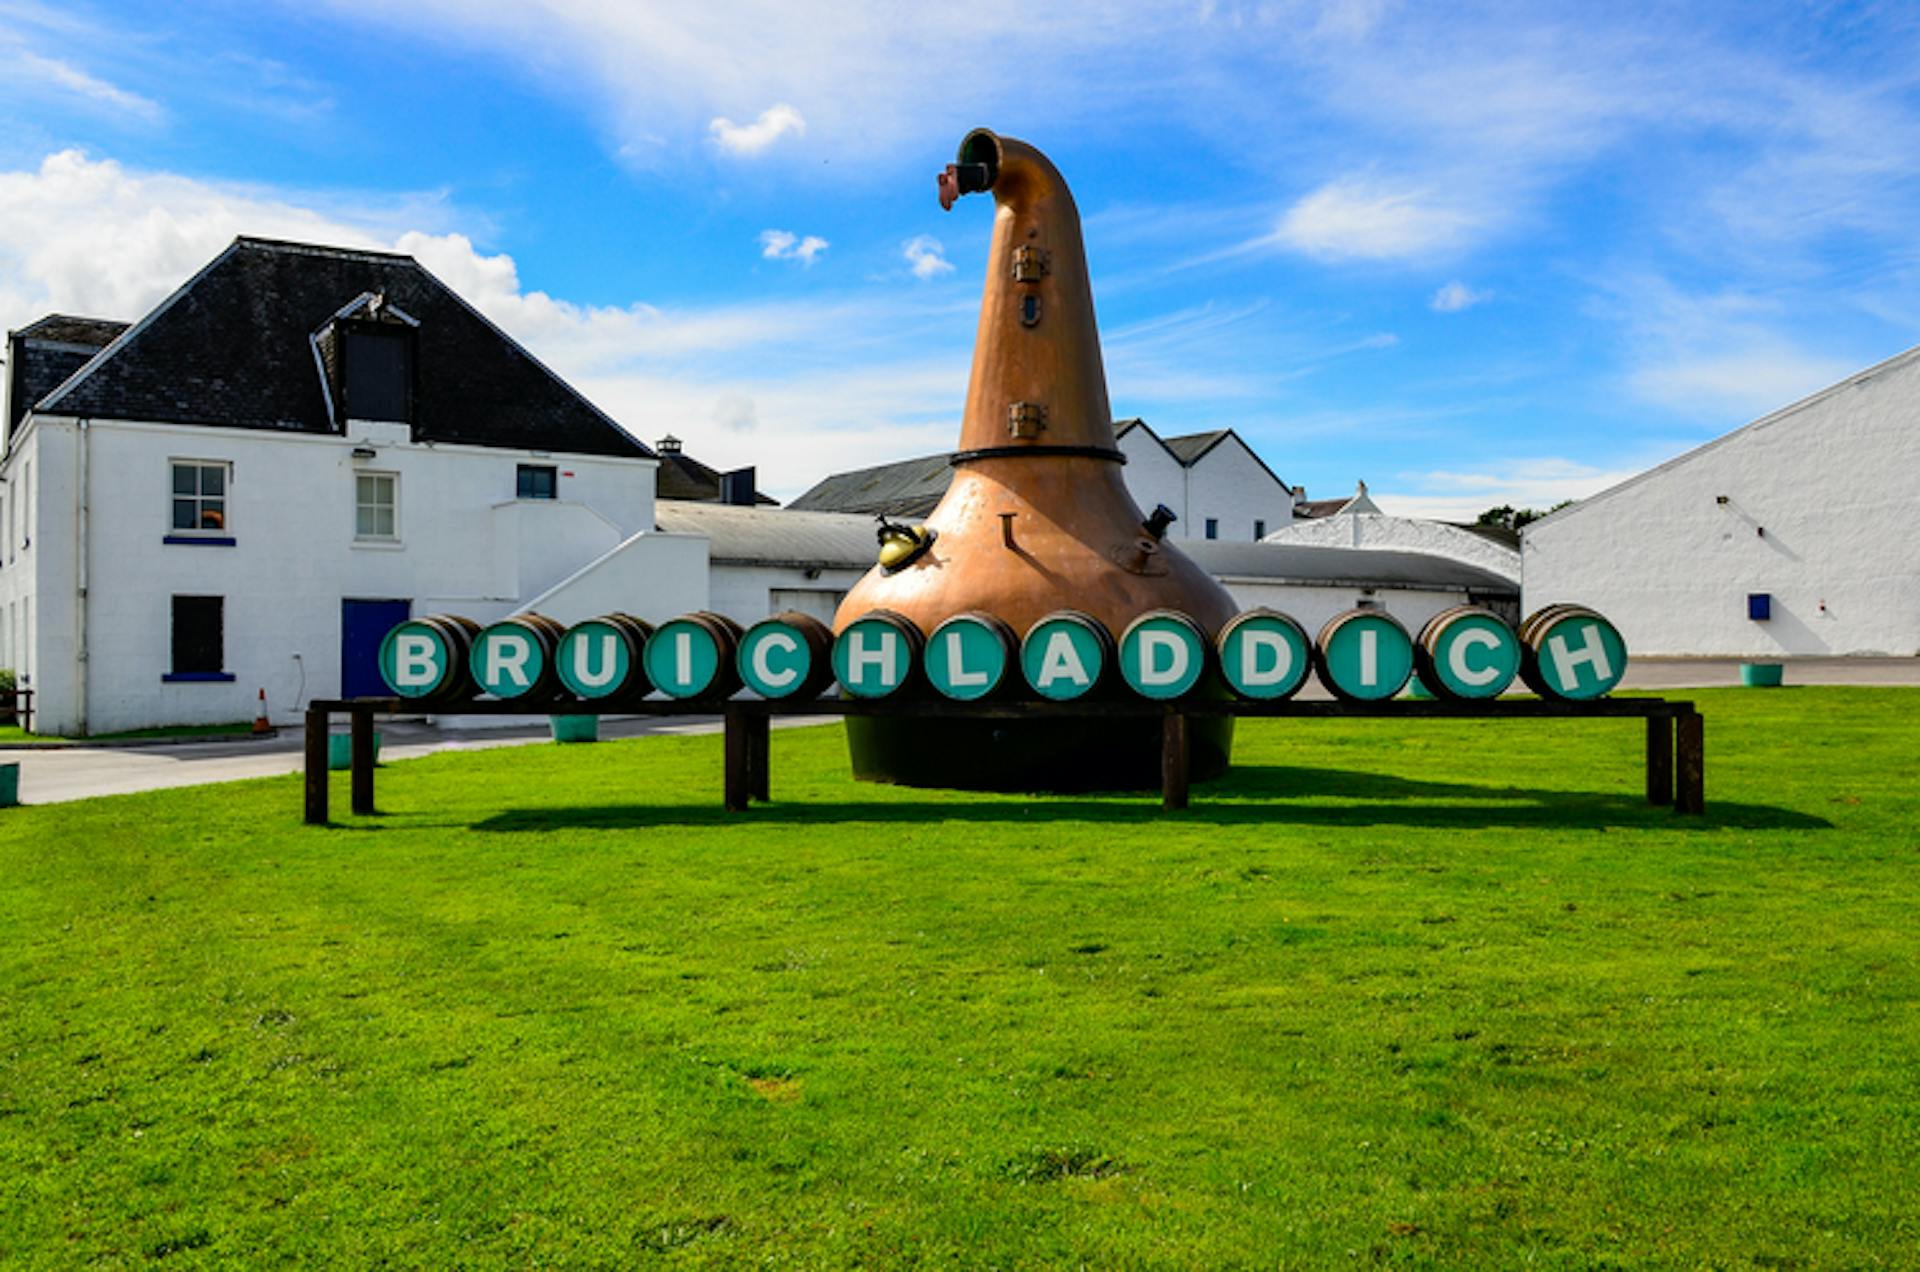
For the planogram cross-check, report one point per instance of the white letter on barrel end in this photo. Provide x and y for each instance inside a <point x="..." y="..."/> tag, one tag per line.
<point x="1253" y="643"/>
<point x="1472" y="638"/>
<point x="882" y="656"/>
<point x="507" y="660"/>
<point x="764" y="670"/>
<point x="1061" y="661"/>
<point x="956" y="671"/>
<point x="1592" y="651"/>
<point x="416" y="661"/>
<point x="1152" y="641"/>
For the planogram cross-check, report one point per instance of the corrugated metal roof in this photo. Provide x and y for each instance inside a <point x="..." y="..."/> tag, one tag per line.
<point x="1356" y="567"/>
<point x="772" y="536"/>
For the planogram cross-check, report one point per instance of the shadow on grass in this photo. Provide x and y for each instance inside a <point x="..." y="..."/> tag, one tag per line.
<point x="1248" y="795"/>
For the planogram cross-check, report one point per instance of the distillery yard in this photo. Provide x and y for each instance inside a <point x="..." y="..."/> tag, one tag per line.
<point x="1443" y="994"/>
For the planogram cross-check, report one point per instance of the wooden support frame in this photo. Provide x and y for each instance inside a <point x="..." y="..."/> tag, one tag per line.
<point x="1675" y="733"/>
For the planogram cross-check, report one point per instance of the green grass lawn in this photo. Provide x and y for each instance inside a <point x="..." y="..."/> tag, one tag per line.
<point x="1440" y="994"/>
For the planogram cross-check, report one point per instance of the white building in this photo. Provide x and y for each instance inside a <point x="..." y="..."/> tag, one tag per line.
<point x="1797" y="534"/>
<point x="1213" y="482"/>
<point x="1359" y="523"/>
<point x="245" y="489"/>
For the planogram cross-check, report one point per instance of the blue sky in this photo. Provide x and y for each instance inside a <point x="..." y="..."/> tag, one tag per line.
<point x="1471" y="253"/>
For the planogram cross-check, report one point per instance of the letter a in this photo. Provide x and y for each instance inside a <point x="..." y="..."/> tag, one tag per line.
<point x="1061" y="661"/>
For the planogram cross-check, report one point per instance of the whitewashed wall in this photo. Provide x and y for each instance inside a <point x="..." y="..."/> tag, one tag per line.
<point x="748" y="593"/>
<point x="1406" y="534"/>
<point x="1228" y="483"/>
<point x="465" y="546"/>
<point x="1312" y="605"/>
<point x="1153" y="475"/>
<point x="1832" y="483"/>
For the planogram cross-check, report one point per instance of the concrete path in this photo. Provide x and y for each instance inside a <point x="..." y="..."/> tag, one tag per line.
<point x="48" y="777"/>
<point x="51" y="777"/>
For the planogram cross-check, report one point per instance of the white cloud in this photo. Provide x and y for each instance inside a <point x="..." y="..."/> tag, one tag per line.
<point x="775" y="122"/>
<point x="1455" y="296"/>
<point x="1722" y="356"/>
<point x="785" y="245"/>
<point x="66" y="76"/>
<point x="926" y="257"/>
<point x="1360" y="218"/>
<point x="798" y="388"/>
<point x="1453" y="495"/>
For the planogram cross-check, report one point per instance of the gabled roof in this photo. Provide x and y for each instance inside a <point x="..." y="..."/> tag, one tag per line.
<point x="44" y="355"/>
<point x="234" y="347"/>
<point x="1191" y="448"/>
<point x="907" y="488"/>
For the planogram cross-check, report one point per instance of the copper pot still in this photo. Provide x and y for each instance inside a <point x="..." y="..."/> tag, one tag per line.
<point x="1037" y="517"/>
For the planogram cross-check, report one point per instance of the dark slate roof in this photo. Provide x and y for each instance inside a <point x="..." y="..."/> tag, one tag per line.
<point x="42" y="355"/>
<point x="233" y="346"/>
<point x="1192" y="446"/>
<point x="1349" y="567"/>
<point x="681" y="476"/>
<point x="909" y="488"/>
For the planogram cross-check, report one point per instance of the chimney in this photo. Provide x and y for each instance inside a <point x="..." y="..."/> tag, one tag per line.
<point x="736" y="488"/>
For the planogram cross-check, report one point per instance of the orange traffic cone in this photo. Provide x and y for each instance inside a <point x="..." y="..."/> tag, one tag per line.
<point x="260" y="722"/>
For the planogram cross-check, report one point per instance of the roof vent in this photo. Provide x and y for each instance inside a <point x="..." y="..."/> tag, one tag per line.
<point x="668" y="445"/>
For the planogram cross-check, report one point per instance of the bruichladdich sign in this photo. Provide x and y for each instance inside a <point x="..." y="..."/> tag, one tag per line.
<point x="1364" y="655"/>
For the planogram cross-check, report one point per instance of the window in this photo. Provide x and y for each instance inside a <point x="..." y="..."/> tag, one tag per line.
<point x="1259" y="530"/>
<point x="26" y="504"/>
<point x="199" y="638"/>
<point x="538" y="481"/>
<point x="199" y="497"/>
<point x="378" y="373"/>
<point x="376" y="506"/>
<point x="1213" y="527"/>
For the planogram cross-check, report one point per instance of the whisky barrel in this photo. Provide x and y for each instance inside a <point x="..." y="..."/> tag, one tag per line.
<point x="1067" y="655"/>
<point x="789" y="655"/>
<point x="600" y="660"/>
<point x="425" y="659"/>
<point x="513" y="659"/>
<point x="1466" y="653"/>
<point x="1363" y="655"/>
<point x="1264" y="654"/>
<point x="694" y="656"/>
<point x="878" y="655"/>
<point x="970" y="655"/>
<point x="1572" y="652"/>
<point x="1163" y="654"/>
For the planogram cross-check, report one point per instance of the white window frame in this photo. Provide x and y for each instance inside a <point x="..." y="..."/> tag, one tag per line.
<point x="393" y="480"/>
<point x="222" y="531"/>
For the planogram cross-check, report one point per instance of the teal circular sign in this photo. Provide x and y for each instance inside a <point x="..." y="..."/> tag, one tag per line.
<point x="414" y="660"/>
<point x="871" y="658"/>
<point x="1062" y="658"/>
<point x="682" y="658"/>
<point x="966" y="658"/>
<point x="594" y="660"/>
<point x="775" y="660"/>
<point x="507" y="661"/>
<point x="1475" y="656"/>
<point x="1580" y="656"/>
<point x="1368" y="657"/>
<point x="1265" y="656"/>
<point x="1162" y="656"/>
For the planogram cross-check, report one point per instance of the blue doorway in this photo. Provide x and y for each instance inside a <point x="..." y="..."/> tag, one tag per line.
<point x="363" y="625"/>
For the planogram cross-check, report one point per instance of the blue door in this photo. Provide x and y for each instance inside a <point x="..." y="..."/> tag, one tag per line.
<point x="363" y="625"/>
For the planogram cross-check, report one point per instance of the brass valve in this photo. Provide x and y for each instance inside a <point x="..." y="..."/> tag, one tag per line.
<point x="901" y="545"/>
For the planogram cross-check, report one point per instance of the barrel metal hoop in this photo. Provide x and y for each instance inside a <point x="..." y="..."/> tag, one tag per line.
<point x="1031" y="452"/>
